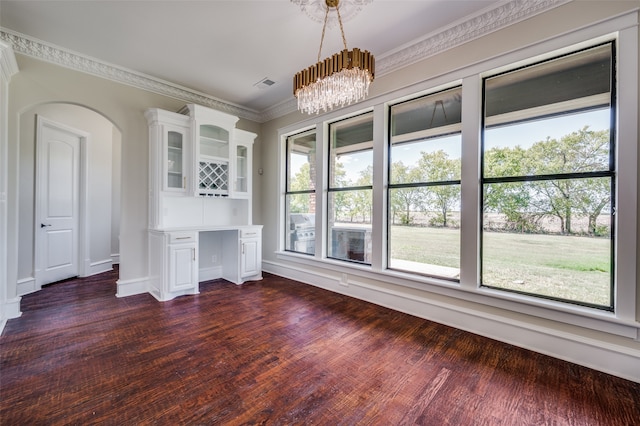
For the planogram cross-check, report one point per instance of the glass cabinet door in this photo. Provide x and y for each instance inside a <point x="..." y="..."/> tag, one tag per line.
<point x="241" y="169"/>
<point x="175" y="157"/>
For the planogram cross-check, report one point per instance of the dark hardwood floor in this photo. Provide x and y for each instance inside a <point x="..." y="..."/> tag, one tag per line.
<point x="277" y="352"/>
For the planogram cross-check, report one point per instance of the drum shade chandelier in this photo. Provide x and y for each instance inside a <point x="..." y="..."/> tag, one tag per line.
<point x="339" y="80"/>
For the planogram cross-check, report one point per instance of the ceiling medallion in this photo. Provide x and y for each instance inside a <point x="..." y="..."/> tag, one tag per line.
<point x="337" y="81"/>
<point x="316" y="10"/>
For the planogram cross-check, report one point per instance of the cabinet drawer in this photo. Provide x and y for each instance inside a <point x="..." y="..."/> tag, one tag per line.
<point x="250" y="233"/>
<point x="182" y="237"/>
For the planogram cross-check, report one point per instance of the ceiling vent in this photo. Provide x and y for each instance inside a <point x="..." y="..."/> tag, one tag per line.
<point x="265" y="83"/>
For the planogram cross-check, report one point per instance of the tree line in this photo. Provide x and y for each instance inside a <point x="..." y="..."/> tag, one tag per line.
<point x="561" y="188"/>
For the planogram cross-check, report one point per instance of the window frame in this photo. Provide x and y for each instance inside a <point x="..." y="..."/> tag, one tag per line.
<point x="624" y="30"/>
<point x="336" y="189"/>
<point x="390" y="185"/>
<point x="288" y="193"/>
<point x="610" y="173"/>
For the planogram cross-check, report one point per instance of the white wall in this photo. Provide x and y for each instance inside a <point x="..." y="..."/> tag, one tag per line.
<point x="9" y="305"/>
<point x="116" y="195"/>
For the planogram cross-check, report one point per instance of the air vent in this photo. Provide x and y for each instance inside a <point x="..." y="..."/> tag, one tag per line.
<point x="264" y="83"/>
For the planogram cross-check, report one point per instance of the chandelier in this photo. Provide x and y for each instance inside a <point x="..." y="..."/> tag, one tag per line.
<point x="339" y="80"/>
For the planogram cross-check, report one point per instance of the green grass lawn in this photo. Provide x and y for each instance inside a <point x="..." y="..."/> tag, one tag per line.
<point x="566" y="267"/>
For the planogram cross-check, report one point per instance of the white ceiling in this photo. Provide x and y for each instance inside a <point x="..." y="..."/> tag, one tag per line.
<point x="222" y="48"/>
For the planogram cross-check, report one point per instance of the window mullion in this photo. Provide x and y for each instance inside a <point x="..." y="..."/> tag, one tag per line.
<point x="627" y="184"/>
<point x="322" y="173"/>
<point x="379" y="215"/>
<point x="470" y="178"/>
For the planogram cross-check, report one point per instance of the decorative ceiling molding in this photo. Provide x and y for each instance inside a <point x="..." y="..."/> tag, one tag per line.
<point x="473" y="27"/>
<point x="8" y="64"/>
<point x="316" y="10"/>
<point x="493" y="19"/>
<point x="60" y="56"/>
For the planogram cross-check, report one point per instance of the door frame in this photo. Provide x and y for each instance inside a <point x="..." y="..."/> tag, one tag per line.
<point x="83" y="208"/>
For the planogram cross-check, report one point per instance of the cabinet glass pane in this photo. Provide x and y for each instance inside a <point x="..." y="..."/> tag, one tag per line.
<point x="241" y="183"/>
<point x="174" y="155"/>
<point x="214" y="141"/>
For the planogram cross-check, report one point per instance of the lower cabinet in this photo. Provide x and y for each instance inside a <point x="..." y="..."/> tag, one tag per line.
<point x="173" y="264"/>
<point x="242" y="257"/>
<point x="174" y="258"/>
<point x="250" y="253"/>
<point x="183" y="268"/>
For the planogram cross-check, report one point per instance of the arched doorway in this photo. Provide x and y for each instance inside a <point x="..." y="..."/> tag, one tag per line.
<point x="101" y="182"/>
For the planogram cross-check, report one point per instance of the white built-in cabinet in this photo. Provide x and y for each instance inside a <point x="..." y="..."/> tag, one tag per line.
<point x="250" y="252"/>
<point x="200" y="205"/>
<point x="173" y="264"/>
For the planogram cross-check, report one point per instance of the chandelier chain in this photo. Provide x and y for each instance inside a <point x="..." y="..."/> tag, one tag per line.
<point x="324" y="28"/>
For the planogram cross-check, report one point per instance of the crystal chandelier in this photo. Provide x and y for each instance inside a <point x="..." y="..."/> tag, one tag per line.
<point x="337" y="81"/>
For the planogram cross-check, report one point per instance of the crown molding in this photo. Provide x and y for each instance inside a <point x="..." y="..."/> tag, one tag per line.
<point x="490" y="20"/>
<point x="471" y="28"/>
<point x="8" y="64"/>
<point x="48" y="52"/>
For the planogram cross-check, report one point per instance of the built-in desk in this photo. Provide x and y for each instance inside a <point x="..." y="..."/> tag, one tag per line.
<point x="181" y="258"/>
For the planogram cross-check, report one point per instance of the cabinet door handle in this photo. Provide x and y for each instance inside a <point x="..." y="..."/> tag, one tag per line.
<point x="242" y="248"/>
<point x="184" y="182"/>
<point x="194" y="254"/>
<point x="183" y="238"/>
<point x="250" y="233"/>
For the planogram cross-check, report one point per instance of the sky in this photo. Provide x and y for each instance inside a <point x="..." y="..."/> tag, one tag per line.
<point x="523" y="134"/>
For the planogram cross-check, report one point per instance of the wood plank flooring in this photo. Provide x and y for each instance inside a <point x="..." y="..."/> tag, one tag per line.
<point x="277" y="352"/>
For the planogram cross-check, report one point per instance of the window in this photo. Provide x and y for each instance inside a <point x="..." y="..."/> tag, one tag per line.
<point x="424" y="185"/>
<point x="511" y="182"/>
<point x="548" y="179"/>
<point x="350" y="189"/>
<point x="300" y="196"/>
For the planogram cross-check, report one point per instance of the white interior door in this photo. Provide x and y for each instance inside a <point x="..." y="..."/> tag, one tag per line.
<point x="57" y="202"/>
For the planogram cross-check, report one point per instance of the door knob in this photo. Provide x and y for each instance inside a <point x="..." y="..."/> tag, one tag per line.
<point x="42" y="225"/>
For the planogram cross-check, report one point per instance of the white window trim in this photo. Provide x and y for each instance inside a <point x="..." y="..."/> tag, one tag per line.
<point x="624" y="30"/>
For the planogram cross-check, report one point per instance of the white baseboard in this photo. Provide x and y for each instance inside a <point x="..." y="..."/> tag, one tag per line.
<point x="26" y="286"/>
<point x="614" y="359"/>
<point x="100" y="267"/>
<point x="115" y="258"/>
<point x="212" y="273"/>
<point x="132" y="287"/>
<point x="10" y="309"/>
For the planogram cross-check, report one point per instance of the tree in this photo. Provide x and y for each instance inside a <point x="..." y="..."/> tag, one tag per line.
<point x="577" y="152"/>
<point x="438" y="167"/>
<point x="340" y="203"/>
<point x="299" y="203"/>
<point x="362" y="200"/>
<point x="404" y="199"/>
<point x="512" y="199"/>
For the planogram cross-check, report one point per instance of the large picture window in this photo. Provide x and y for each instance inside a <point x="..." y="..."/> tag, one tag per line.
<point x="300" y="195"/>
<point x="424" y="185"/>
<point x="350" y="189"/>
<point x="548" y="179"/>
